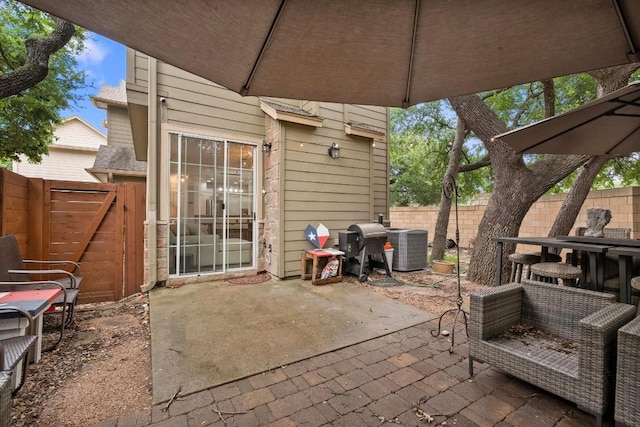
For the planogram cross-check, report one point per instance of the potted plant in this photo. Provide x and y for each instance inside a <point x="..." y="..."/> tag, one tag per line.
<point x="442" y="267"/>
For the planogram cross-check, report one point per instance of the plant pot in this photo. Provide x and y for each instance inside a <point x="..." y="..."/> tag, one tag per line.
<point x="442" y="267"/>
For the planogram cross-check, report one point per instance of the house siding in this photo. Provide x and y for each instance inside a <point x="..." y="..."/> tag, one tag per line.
<point x="61" y="164"/>
<point x="73" y="150"/>
<point x="334" y="192"/>
<point x="311" y="187"/>
<point x="119" y="127"/>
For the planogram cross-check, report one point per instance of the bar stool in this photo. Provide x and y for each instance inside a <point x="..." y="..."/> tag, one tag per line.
<point x="550" y="272"/>
<point x="518" y="261"/>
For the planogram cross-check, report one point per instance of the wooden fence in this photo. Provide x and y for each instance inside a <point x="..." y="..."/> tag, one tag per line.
<point x="101" y="226"/>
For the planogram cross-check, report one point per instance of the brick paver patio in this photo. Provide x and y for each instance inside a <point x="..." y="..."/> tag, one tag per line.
<point x="369" y="383"/>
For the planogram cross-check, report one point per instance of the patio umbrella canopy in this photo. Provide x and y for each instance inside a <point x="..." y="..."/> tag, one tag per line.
<point x="608" y="125"/>
<point x="377" y="52"/>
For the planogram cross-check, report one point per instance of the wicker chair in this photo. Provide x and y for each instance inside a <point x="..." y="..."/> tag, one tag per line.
<point x="627" y="409"/>
<point x="5" y="399"/>
<point x="609" y="233"/>
<point x="588" y="318"/>
<point x="611" y="270"/>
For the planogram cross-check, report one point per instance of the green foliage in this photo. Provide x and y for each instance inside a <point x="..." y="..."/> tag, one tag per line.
<point x="621" y="172"/>
<point x="28" y="119"/>
<point x="522" y="105"/>
<point x="417" y="168"/>
<point x="421" y="139"/>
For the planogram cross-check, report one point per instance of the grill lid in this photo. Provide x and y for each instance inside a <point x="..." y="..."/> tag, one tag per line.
<point x="368" y="232"/>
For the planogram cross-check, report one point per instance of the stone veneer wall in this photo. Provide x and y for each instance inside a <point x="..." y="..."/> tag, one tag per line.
<point x="624" y="204"/>
<point x="162" y="251"/>
<point x="271" y="229"/>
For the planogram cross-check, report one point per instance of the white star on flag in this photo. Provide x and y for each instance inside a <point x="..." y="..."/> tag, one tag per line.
<point x="312" y="236"/>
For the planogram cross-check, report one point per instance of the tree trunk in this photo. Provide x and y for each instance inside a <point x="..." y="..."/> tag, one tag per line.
<point x="517" y="186"/>
<point x="442" y="223"/>
<point x="575" y="197"/>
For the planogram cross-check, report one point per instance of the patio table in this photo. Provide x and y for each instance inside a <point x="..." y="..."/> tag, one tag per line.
<point x="595" y="252"/>
<point x="609" y="241"/>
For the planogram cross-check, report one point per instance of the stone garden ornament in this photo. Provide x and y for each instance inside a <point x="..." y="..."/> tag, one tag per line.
<point x="597" y="219"/>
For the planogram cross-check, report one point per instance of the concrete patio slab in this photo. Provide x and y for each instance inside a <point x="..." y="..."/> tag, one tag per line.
<point x="208" y="334"/>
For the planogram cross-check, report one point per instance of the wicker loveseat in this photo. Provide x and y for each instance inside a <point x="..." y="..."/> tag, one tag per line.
<point x="563" y="315"/>
<point x="627" y="412"/>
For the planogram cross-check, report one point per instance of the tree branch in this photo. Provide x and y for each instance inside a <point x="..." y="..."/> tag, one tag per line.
<point x="36" y="66"/>
<point x="549" y="89"/>
<point x="525" y="106"/>
<point x="612" y="78"/>
<point x="486" y="161"/>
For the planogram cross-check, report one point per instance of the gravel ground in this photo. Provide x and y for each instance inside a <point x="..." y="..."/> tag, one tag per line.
<point x="102" y="369"/>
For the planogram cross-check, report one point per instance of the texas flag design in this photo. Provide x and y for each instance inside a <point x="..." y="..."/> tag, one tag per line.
<point x="317" y="236"/>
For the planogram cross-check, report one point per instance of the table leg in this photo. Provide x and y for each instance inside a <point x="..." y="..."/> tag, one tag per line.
<point x="544" y="253"/>
<point x="36" y="329"/>
<point x="314" y="277"/>
<point x="625" y="266"/>
<point x="499" y="264"/>
<point x="596" y="271"/>
<point x="584" y="265"/>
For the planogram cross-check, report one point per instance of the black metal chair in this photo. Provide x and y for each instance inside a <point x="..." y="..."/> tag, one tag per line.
<point x="15" y="276"/>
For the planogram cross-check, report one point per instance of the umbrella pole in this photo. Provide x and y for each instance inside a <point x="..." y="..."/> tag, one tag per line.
<point x="450" y="189"/>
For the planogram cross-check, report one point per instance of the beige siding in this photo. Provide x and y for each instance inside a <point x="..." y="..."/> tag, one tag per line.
<point x="119" y="127"/>
<point x="73" y="150"/>
<point x="60" y="164"/>
<point x="336" y="193"/>
<point x="74" y="132"/>
<point x="192" y="102"/>
<point x="315" y="188"/>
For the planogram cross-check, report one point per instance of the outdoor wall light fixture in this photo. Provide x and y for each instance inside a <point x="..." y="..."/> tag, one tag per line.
<point x="334" y="151"/>
<point x="266" y="147"/>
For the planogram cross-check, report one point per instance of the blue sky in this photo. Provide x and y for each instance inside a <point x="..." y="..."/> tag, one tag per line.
<point x="104" y="63"/>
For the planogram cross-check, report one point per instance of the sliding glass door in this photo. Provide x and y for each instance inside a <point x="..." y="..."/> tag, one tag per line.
<point x="212" y="205"/>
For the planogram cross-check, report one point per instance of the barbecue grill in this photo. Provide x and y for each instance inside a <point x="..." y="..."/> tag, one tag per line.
<point x="365" y="241"/>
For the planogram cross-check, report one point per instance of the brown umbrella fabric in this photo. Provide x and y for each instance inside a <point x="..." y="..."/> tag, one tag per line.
<point x="379" y="52"/>
<point x="608" y="125"/>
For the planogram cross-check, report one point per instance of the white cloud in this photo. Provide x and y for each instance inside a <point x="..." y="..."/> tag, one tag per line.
<point x="93" y="53"/>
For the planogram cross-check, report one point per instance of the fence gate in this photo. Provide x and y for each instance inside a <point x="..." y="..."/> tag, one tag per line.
<point x="98" y="225"/>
